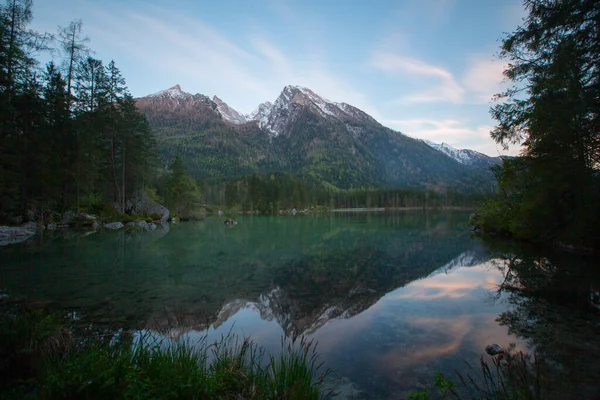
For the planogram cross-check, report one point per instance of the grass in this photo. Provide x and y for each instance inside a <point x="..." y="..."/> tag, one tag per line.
<point x="511" y="376"/>
<point x="42" y="358"/>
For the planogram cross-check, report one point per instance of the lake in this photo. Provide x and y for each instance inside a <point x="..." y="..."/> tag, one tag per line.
<point x="391" y="298"/>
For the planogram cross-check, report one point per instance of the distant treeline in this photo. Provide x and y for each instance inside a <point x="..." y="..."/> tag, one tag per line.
<point x="276" y="192"/>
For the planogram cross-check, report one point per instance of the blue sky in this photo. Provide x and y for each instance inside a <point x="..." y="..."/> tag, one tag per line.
<point x="427" y="68"/>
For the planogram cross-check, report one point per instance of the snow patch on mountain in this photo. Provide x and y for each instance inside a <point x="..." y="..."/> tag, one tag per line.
<point x="228" y="113"/>
<point x="261" y="114"/>
<point x="274" y="118"/>
<point x="173" y="92"/>
<point x="463" y="156"/>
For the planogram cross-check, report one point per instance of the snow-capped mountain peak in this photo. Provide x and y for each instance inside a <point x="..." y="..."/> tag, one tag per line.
<point x="261" y="114"/>
<point x="228" y="113"/>
<point x="173" y="92"/>
<point x="275" y="118"/>
<point x="463" y="156"/>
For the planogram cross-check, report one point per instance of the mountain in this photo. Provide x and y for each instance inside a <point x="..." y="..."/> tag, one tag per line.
<point x="228" y="113"/>
<point x="465" y="156"/>
<point x="329" y="143"/>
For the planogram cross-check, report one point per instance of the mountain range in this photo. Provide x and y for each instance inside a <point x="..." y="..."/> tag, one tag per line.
<point x="329" y="143"/>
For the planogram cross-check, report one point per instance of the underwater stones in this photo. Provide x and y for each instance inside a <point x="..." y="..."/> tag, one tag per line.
<point x="230" y="222"/>
<point x="113" y="225"/>
<point x="494" y="349"/>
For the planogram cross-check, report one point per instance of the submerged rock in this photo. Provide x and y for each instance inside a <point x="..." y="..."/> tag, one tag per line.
<point x="141" y="224"/>
<point x="113" y="225"/>
<point x="494" y="349"/>
<point x="230" y="222"/>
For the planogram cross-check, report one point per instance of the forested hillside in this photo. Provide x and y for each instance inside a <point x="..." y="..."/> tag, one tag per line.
<point x="334" y="145"/>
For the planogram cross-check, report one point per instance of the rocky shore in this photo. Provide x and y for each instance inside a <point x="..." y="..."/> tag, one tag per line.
<point x="141" y="212"/>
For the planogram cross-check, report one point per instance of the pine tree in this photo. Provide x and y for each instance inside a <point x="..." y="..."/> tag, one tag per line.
<point x="552" y="109"/>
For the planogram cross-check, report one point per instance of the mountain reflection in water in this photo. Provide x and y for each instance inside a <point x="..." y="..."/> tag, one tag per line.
<point x="390" y="298"/>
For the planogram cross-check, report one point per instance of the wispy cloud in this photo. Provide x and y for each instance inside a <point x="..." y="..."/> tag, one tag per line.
<point x="483" y="78"/>
<point x="453" y="132"/>
<point x="243" y="70"/>
<point x="438" y="83"/>
<point x="480" y="81"/>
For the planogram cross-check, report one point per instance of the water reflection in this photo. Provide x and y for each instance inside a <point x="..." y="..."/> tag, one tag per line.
<point x="390" y="298"/>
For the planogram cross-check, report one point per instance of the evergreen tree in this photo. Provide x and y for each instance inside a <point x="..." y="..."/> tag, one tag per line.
<point x="184" y="197"/>
<point x="552" y="109"/>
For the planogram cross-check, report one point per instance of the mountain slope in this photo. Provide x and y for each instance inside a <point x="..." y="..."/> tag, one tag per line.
<point x="329" y="143"/>
<point x="227" y="113"/>
<point x="465" y="156"/>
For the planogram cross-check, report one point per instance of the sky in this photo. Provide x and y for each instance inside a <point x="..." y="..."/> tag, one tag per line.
<point x="426" y="68"/>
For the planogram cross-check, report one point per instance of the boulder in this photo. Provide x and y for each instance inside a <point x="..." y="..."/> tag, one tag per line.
<point x="113" y="225"/>
<point x="51" y="227"/>
<point x="68" y="218"/>
<point x="16" y="234"/>
<point x="494" y="349"/>
<point x="230" y="222"/>
<point x="141" y="224"/>
<point x="141" y="203"/>
<point x="151" y="227"/>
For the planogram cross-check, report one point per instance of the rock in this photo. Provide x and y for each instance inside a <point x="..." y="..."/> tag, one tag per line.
<point x="141" y="224"/>
<point x="130" y="224"/>
<point x="140" y="203"/>
<point x="51" y="227"/>
<point x="494" y="349"/>
<point x="86" y="217"/>
<point x="151" y="227"/>
<point x="174" y="220"/>
<point x="220" y="212"/>
<point x="230" y="222"/>
<point x="16" y="234"/>
<point x="96" y="225"/>
<point x="113" y="225"/>
<point x="68" y="218"/>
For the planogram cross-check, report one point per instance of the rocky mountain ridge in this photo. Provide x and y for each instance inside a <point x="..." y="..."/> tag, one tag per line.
<point x="326" y="142"/>
<point x="464" y="156"/>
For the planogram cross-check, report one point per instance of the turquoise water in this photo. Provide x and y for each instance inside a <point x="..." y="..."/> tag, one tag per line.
<point x="390" y="298"/>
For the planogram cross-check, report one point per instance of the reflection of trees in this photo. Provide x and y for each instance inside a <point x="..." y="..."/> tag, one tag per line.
<point x="200" y="273"/>
<point x="555" y="304"/>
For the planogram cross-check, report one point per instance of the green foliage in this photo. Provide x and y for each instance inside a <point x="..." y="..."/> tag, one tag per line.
<point x="70" y="136"/>
<point x="153" y="194"/>
<point x="141" y="366"/>
<point x="183" y="196"/>
<point x="551" y="193"/>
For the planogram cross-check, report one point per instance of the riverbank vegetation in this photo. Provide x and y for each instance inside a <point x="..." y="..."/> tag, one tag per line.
<point x="552" y="191"/>
<point x="42" y="356"/>
<point x="513" y="375"/>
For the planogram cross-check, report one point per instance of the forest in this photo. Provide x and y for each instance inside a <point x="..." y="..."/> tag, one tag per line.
<point x="70" y="134"/>
<point x="551" y="192"/>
